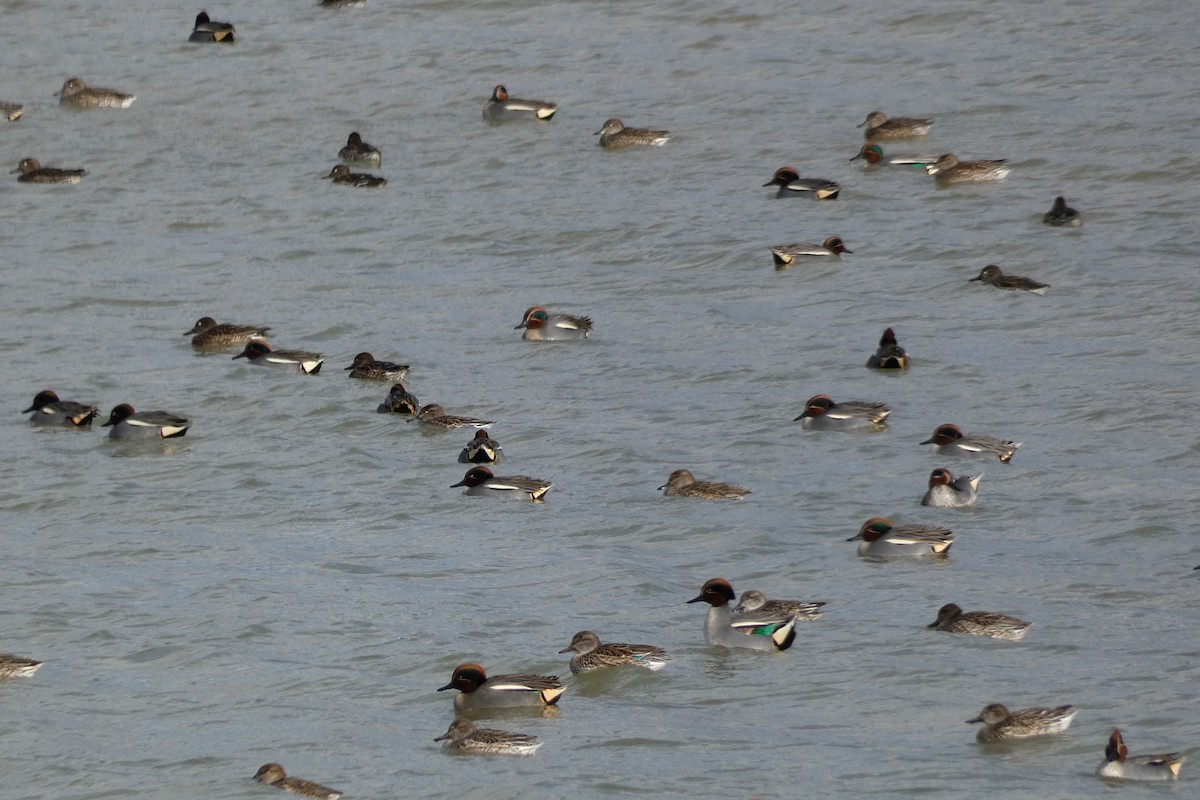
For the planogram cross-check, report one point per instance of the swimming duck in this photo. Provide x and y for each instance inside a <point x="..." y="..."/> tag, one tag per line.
<point x="207" y="332"/>
<point x="753" y="601"/>
<point x="614" y="134"/>
<point x="947" y="491"/>
<point x="872" y="155"/>
<point x="878" y="126"/>
<point x="48" y="410"/>
<point x="205" y="30"/>
<point x="822" y="414"/>
<point x="952" y="619"/>
<point x="341" y="174"/>
<point x="890" y="354"/>
<point x="591" y="654"/>
<point x="753" y="630"/>
<point x="77" y="93"/>
<point x="542" y="326"/>
<point x="463" y="737"/>
<point x="478" y="691"/>
<point x="435" y="416"/>
<point x="259" y="352"/>
<point x="1119" y="764"/>
<point x="17" y="667"/>
<point x="994" y="276"/>
<point x="789" y="183"/>
<point x="481" y="450"/>
<point x="357" y="151"/>
<point x="948" y="169"/>
<point x="681" y="483"/>
<point x="273" y="775"/>
<point x="366" y="368"/>
<point x="1001" y="725"/>
<point x="129" y="424"/>
<point x="480" y="482"/>
<point x="1062" y="215"/>
<point x="501" y="107"/>
<point x="399" y="401"/>
<point x="881" y="539"/>
<point x="949" y="440"/>
<point x="33" y="172"/>
<point x="785" y="255"/>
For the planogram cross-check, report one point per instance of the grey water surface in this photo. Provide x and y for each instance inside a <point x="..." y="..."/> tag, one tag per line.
<point x="293" y="580"/>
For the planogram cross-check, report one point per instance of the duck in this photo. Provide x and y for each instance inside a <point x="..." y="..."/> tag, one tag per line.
<point x="1001" y="725"/>
<point x="872" y="155"/>
<point x="11" y="111"/>
<point x="206" y="30"/>
<point x="259" y="352"/>
<point x="785" y="255"/>
<point x="752" y="601"/>
<point x="613" y="134"/>
<point x="480" y="482"/>
<point x="77" y="93"/>
<point x="366" y="368"/>
<point x="435" y="416"/>
<point x="341" y="174"/>
<point x="17" y="667"/>
<point x="399" y="401"/>
<point x="681" y="483"/>
<point x="754" y="631"/>
<point x="948" y="169"/>
<point x="889" y="355"/>
<point x="881" y="539"/>
<point x="479" y="692"/>
<point x="822" y="414"/>
<point x="789" y="182"/>
<point x="1062" y="215"/>
<point x="481" y="450"/>
<point x="879" y="127"/>
<point x="952" y="619"/>
<point x="542" y="326"/>
<point x="48" y="410"/>
<point x="32" y="171"/>
<point x="129" y="424"/>
<point x="501" y="107"/>
<point x="357" y="151"/>
<point x="947" y="491"/>
<point x="463" y="737"/>
<point x="994" y="276"/>
<point x="207" y="332"/>
<point x="949" y="440"/>
<point x="273" y="775"/>
<point x="1119" y="764"/>
<point x="591" y="654"/>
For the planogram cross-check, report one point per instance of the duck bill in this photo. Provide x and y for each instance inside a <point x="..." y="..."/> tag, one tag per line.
<point x="930" y="440"/>
<point x="972" y="721"/>
<point x="455" y="486"/>
<point x="699" y="599"/>
<point x="447" y="686"/>
<point x="566" y="650"/>
<point x="855" y="537"/>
